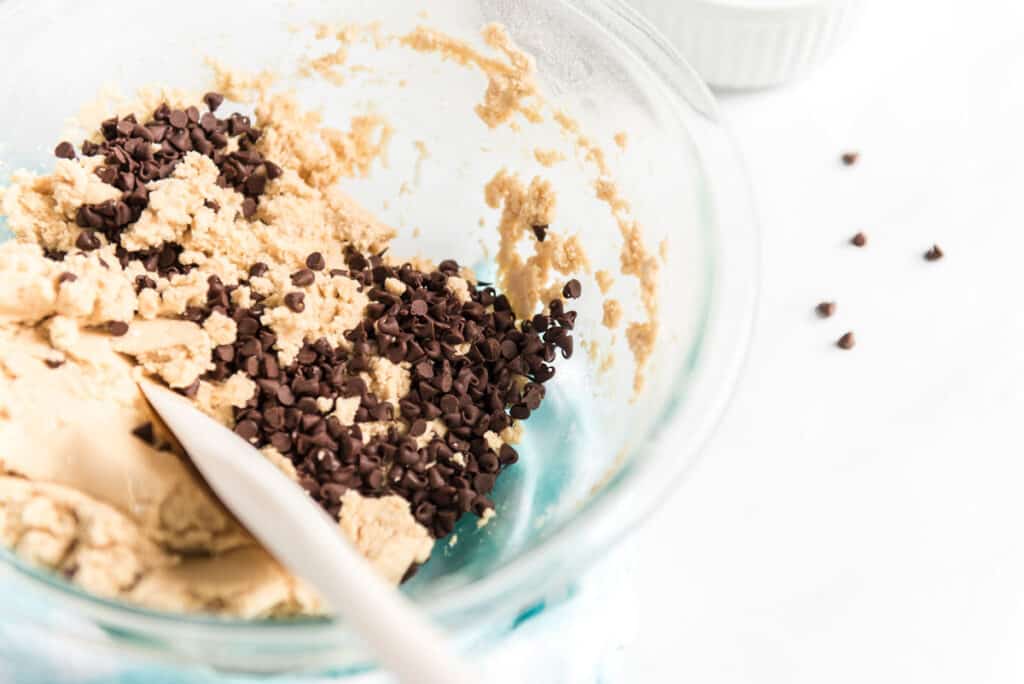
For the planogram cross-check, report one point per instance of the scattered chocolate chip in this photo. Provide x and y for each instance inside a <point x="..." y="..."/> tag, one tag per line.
<point x="53" y="364"/>
<point x="859" y="240"/>
<point x="296" y="301"/>
<point x="66" y="277"/>
<point x="65" y="150"/>
<point x="934" y="254"/>
<point x="847" y="341"/>
<point x="540" y="232"/>
<point x="316" y="262"/>
<point x="117" y="328"/>
<point x="572" y="289"/>
<point x="212" y="204"/>
<point x="826" y="309"/>
<point x="850" y="158"/>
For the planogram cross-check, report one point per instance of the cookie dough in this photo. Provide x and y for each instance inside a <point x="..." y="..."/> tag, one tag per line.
<point x="222" y="257"/>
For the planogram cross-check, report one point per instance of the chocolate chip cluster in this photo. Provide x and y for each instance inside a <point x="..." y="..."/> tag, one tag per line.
<point x="137" y="153"/>
<point x="474" y="369"/>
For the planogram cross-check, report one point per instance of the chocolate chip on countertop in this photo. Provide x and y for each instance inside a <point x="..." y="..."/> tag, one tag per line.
<point x="54" y="364"/>
<point x="934" y="254"/>
<point x="847" y="341"/>
<point x="572" y="289"/>
<point x="65" y="150"/>
<point x="850" y="158"/>
<point x="826" y="309"/>
<point x="859" y="240"/>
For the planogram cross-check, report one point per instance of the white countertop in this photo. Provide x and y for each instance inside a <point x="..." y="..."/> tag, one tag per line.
<point x="858" y="517"/>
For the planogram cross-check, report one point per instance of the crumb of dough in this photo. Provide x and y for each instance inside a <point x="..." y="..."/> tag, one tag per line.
<point x="218" y="400"/>
<point x="622" y="139"/>
<point x="511" y="84"/>
<point x="663" y="250"/>
<point x="237" y="85"/>
<point x="548" y="158"/>
<point x="605" y="280"/>
<point x="607" y="362"/>
<point x="641" y="338"/>
<point x="526" y="281"/>
<point x="612" y="314"/>
<point x="486" y="518"/>
<point x="280" y="462"/>
<point x="385" y="533"/>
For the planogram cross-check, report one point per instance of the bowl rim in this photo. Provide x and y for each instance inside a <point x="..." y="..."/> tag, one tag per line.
<point x="604" y="519"/>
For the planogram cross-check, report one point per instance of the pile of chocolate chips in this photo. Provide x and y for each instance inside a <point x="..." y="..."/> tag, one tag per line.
<point x="471" y="393"/>
<point x="137" y="153"/>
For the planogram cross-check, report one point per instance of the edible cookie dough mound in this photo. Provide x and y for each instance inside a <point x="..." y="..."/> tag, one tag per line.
<point x="385" y="533"/>
<point x="60" y="528"/>
<point x="69" y="420"/>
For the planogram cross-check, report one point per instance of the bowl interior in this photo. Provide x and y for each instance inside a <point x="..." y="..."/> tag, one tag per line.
<point x="592" y="426"/>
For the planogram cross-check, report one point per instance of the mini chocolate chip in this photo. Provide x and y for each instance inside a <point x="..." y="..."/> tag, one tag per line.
<point x="296" y="301"/>
<point x="847" y="341"/>
<point x="826" y="309"/>
<point x="213" y="100"/>
<point x="53" y="364"/>
<point x="859" y="240"/>
<point x="303" y="278"/>
<point x="65" y="150"/>
<point x="117" y="328"/>
<point x="146" y="433"/>
<point x="66" y="277"/>
<point x="315" y="261"/>
<point x="934" y="254"/>
<point x="247" y="430"/>
<point x="258" y="270"/>
<point x="87" y="241"/>
<point x="248" y="207"/>
<point x="572" y="289"/>
<point x="850" y="158"/>
<point x="540" y="232"/>
<point x="178" y="119"/>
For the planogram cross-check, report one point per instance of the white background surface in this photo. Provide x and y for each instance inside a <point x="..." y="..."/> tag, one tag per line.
<point x="858" y="517"/>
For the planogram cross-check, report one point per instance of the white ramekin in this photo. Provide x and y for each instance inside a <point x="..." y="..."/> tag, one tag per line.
<point x="753" y="43"/>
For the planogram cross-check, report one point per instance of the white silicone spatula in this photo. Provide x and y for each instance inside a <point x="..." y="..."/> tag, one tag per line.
<point x="304" y="539"/>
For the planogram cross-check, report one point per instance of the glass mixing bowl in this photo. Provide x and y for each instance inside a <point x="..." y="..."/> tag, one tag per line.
<point x="595" y="460"/>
